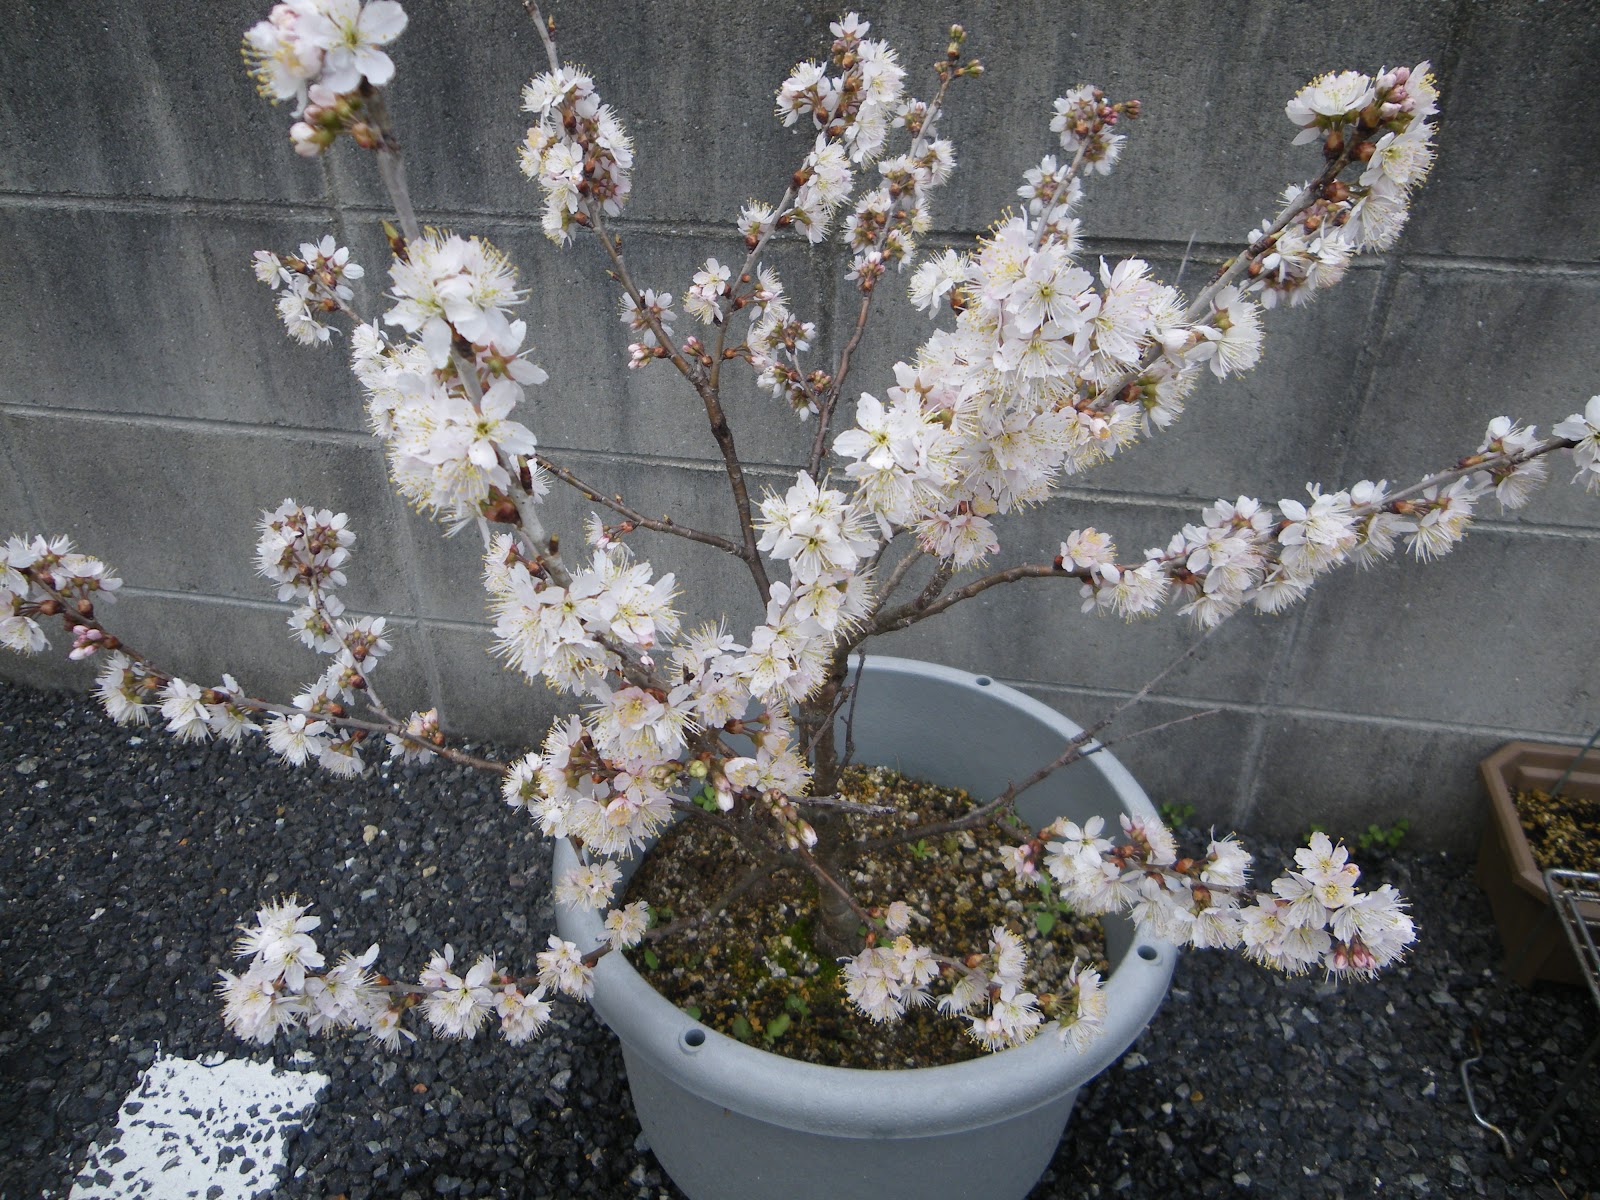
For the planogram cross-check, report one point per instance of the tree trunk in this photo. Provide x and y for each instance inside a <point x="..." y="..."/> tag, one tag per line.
<point x="838" y="932"/>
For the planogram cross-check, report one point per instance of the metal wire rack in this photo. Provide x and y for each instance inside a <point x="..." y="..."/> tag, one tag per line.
<point x="1575" y="903"/>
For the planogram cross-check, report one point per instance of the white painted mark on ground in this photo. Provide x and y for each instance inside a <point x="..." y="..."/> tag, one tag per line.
<point x="191" y="1131"/>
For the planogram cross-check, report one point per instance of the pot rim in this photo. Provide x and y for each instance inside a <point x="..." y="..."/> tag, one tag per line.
<point x="857" y="1102"/>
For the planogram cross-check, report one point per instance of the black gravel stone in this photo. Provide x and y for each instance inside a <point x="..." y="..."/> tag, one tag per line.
<point x="127" y="861"/>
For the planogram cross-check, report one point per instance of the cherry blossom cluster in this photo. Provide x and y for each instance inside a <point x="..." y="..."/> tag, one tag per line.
<point x="1583" y="429"/>
<point x="281" y="987"/>
<point x="1313" y="916"/>
<point x="882" y="228"/>
<point x="851" y="112"/>
<point x="1046" y="372"/>
<point x="442" y="399"/>
<point x="578" y="152"/>
<point x="987" y="990"/>
<point x="318" y="55"/>
<point x="315" y="283"/>
<point x="1383" y="121"/>
<point x="42" y="577"/>
<point x="1243" y="552"/>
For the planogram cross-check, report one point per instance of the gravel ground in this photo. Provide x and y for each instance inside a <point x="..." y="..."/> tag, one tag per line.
<point x="126" y="862"/>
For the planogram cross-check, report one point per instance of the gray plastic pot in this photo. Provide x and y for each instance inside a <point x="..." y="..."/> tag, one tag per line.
<point x="730" y="1122"/>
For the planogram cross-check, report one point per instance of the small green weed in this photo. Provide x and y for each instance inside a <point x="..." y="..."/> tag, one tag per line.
<point x="1174" y="814"/>
<point x="1386" y="838"/>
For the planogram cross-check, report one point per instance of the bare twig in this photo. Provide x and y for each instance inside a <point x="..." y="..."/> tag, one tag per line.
<point x="717" y="356"/>
<point x="847" y="806"/>
<point x="850" y="717"/>
<point x="824" y="877"/>
<point x="1074" y="751"/>
<point x="898" y="574"/>
<point x="909" y="614"/>
<point x="761" y="871"/>
<point x="989" y="811"/>
<point x="720" y="430"/>
<point x="615" y="504"/>
<point x="546" y="33"/>
<point x="819" y="442"/>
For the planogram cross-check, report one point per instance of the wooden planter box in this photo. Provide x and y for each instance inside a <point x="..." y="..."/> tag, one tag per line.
<point x="1506" y="870"/>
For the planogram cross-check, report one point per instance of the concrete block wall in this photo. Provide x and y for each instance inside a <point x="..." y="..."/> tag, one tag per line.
<point x="151" y="406"/>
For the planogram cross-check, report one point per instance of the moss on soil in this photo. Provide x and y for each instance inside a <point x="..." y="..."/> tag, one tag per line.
<point x="755" y="973"/>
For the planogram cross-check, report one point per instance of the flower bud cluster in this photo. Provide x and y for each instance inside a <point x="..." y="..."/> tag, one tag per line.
<point x="45" y="577"/>
<point x="1085" y="121"/>
<point x="578" y="152"/>
<point x="321" y="55"/>
<point x="987" y="990"/>
<point x="643" y="320"/>
<point x="303" y="550"/>
<point x="883" y="228"/>
<point x="776" y="339"/>
<point x="315" y="283"/>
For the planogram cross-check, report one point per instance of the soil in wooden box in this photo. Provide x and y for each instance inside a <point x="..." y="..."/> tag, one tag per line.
<point x="1563" y="831"/>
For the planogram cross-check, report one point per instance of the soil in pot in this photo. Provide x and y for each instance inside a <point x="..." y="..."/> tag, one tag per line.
<point x="754" y="972"/>
<point x="1563" y="831"/>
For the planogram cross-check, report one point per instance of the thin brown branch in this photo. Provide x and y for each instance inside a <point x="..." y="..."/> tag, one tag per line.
<point x="1189" y="652"/>
<point x="919" y="609"/>
<point x="720" y="429"/>
<point x="717" y="356"/>
<point x="1074" y="751"/>
<point x="825" y="878"/>
<point x="547" y="30"/>
<point x="747" y="882"/>
<point x="819" y="442"/>
<point x="615" y="503"/>
<point x="1471" y="466"/>
<point x="993" y="809"/>
<point x="847" y="806"/>
<point x="1229" y="273"/>
<point x="72" y="616"/>
<point x="898" y="574"/>
<point x="691" y="372"/>
<point x="448" y="752"/>
<point x="850" y="717"/>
